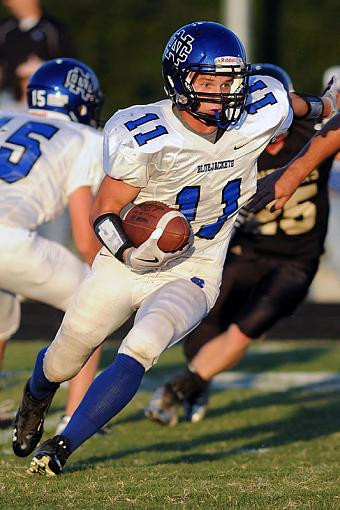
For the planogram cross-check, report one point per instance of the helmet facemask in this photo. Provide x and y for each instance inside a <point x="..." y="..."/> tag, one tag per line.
<point x="232" y="102"/>
<point x="90" y="113"/>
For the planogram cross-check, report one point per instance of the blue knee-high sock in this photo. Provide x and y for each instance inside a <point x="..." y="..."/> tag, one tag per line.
<point x="39" y="386"/>
<point x="108" y="394"/>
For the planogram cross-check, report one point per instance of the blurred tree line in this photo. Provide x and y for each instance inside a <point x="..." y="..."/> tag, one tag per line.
<point x="123" y="40"/>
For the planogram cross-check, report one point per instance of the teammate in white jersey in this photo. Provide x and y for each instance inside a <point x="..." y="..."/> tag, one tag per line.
<point x="196" y="151"/>
<point x="46" y="162"/>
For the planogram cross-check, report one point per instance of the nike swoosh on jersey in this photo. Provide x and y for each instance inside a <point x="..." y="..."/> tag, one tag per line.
<point x="236" y="147"/>
<point x="149" y="260"/>
<point x="106" y="255"/>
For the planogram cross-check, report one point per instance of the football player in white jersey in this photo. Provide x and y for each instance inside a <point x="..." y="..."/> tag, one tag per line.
<point x="269" y="267"/>
<point x="197" y="151"/>
<point x="49" y="157"/>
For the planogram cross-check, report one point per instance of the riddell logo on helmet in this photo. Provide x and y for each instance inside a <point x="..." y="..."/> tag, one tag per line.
<point x="220" y="61"/>
<point x="79" y="83"/>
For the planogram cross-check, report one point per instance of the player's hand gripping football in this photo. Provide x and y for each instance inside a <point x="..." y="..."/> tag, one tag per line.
<point x="148" y="256"/>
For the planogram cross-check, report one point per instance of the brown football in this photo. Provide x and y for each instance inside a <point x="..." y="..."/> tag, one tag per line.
<point x="142" y="219"/>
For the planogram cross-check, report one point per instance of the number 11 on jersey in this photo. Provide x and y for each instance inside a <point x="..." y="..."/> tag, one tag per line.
<point x="188" y="201"/>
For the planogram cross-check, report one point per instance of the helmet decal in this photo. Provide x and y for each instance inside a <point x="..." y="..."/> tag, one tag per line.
<point x="179" y="47"/>
<point x="79" y="82"/>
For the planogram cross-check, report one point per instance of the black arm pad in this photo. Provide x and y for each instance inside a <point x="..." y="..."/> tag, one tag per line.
<point x="109" y="230"/>
<point x="314" y="104"/>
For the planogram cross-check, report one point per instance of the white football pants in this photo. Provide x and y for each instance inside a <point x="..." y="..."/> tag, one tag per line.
<point x="169" y="305"/>
<point x="36" y="268"/>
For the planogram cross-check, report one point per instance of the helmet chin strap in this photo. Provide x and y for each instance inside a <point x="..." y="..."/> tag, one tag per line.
<point x="219" y="119"/>
<point x="72" y="116"/>
<point x="211" y="120"/>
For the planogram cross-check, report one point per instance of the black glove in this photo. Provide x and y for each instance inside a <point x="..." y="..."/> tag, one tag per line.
<point x="247" y="222"/>
<point x="265" y="192"/>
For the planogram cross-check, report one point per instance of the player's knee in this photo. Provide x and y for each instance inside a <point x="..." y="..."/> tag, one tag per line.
<point x="244" y="341"/>
<point x="9" y="315"/>
<point x="147" y="345"/>
<point x="260" y="318"/>
<point x="55" y="368"/>
<point x="66" y="356"/>
<point x="7" y="333"/>
<point x="241" y="338"/>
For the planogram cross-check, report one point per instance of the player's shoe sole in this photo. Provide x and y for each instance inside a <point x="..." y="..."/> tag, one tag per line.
<point x="50" y="457"/>
<point x="159" y="417"/>
<point x="41" y="466"/>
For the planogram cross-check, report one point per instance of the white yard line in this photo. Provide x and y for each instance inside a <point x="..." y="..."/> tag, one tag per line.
<point x="271" y="381"/>
<point x="278" y="381"/>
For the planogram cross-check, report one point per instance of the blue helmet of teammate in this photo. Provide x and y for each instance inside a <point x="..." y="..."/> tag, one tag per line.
<point x="206" y="47"/>
<point x="274" y="71"/>
<point x="67" y="86"/>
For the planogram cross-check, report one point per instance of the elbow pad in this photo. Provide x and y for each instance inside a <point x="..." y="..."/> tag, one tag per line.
<point x="109" y="230"/>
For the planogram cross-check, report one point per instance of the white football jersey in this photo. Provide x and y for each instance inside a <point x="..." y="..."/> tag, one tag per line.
<point x="148" y="147"/>
<point x="42" y="161"/>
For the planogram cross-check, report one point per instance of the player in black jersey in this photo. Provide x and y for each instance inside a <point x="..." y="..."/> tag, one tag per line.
<point x="270" y="265"/>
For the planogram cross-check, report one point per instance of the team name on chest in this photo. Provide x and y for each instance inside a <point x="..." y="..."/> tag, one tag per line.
<point x="215" y="165"/>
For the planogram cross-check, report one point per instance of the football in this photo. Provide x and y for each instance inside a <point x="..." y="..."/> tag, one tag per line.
<point x="142" y="219"/>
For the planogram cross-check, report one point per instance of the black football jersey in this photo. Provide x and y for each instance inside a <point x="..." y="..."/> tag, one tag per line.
<point x="298" y="229"/>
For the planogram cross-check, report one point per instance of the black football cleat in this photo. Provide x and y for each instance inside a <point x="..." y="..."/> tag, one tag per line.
<point x="162" y="406"/>
<point x="196" y="406"/>
<point x="166" y="400"/>
<point x="29" y="423"/>
<point x="50" y="458"/>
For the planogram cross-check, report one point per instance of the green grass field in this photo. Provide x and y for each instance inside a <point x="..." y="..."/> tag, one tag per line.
<point x="258" y="448"/>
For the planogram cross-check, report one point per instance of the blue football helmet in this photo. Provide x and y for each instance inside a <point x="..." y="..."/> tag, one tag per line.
<point x="67" y="86"/>
<point x="206" y="47"/>
<point x="274" y="71"/>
